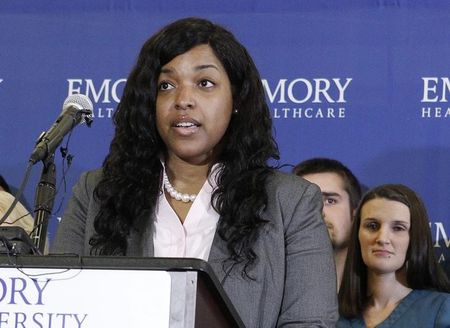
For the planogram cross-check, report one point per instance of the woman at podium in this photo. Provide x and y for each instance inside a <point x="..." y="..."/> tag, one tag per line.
<point x="187" y="175"/>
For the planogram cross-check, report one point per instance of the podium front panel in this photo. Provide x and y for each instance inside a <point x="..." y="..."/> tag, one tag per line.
<point x="91" y="292"/>
<point x="84" y="298"/>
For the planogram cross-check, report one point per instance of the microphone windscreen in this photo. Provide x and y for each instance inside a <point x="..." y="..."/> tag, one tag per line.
<point x="78" y="100"/>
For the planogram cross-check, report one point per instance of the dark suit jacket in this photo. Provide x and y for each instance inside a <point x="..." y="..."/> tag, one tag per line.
<point x="295" y="279"/>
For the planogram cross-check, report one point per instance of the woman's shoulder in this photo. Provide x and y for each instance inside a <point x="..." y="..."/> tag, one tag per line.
<point x="425" y="308"/>
<point x="89" y="179"/>
<point x="289" y="194"/>
<point x="92" y="176"/>
<point x="350" y="323"/>
<point x="426" y="295"/>
<point x="427" y="301"/>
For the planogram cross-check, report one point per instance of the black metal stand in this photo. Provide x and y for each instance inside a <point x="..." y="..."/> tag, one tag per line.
<point x="43" y="204"/>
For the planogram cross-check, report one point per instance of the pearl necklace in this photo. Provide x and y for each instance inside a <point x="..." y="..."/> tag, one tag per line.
<point x="175" y="194"/>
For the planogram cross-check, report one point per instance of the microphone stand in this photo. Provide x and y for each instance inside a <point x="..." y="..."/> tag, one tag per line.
<point x="43" y="203"/>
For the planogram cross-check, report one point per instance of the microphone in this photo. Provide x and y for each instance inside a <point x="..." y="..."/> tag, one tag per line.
<point x="76" y="108"/>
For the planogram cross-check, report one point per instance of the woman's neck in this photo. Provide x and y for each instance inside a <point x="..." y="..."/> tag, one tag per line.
<point x="386" y="288"/>
<point x="385" y="291"/>
<point x="186" y="177"/>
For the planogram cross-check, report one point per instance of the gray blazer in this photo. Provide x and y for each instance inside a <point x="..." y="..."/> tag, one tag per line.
<point x="294" y="277"/>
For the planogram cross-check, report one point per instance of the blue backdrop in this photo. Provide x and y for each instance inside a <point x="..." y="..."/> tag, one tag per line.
<point x="364" y="82"/>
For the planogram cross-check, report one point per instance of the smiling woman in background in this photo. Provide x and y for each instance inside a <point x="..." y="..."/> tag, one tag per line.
<point x="391" y="276"/>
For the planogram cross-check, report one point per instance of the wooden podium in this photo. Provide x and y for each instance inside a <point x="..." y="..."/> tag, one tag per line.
<point x="94" y="292"/>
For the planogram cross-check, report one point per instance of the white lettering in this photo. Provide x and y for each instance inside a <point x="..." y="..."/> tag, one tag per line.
<point x="435" y="112"/>
<point x="319" y="113"/>
<point x="426" y="112"/>
<point x="107" y="92"/>
<point x="440" y="231"/>
<point x="309" y="90"/>
<point x="280" y="88"/>
<point x="342" y="88"/>
<point x="90" y="88"/>
<point x="72" y="89"/>
<point x="322" y="90"/>
<point x="114" y="95"/>
<point x="446" y="83"/>
<point x="275" y="113"/>
<point x="427" y="88"/>
<point x="330" y="112"/>
<point x="309" y="112"/>
<point x="285" y="110"/>
<point x="301" y="90"/>
<point x="433" y="87"/>
<point x="102" y="113"/>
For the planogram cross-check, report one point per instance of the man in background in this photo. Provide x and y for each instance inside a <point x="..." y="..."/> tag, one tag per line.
<point x="341" y="193"/>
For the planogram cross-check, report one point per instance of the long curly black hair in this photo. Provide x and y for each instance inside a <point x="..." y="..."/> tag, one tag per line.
<point x="132" y="170"/>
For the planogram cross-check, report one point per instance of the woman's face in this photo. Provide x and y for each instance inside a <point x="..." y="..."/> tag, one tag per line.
<point x="384" y="234"/>
<point x="193" y="105"/>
